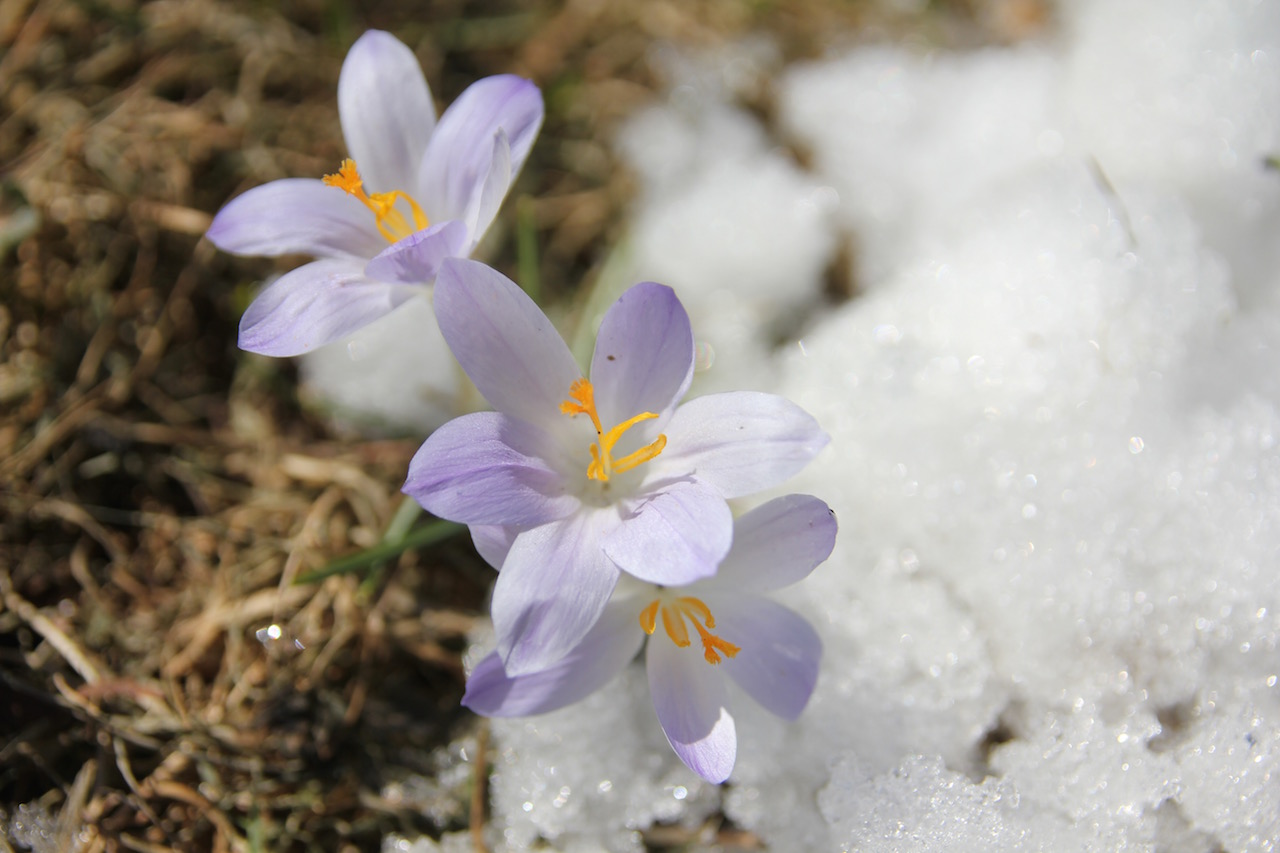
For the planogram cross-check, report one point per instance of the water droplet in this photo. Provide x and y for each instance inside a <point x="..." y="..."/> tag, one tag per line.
<point x="1136" y="444"/>
<point x="704" y="356"/>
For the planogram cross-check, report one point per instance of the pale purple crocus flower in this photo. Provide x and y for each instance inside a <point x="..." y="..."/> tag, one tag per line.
<point x="721" y="628"/>
<point x="413" y="192"/>
<point x="574" y="480"/>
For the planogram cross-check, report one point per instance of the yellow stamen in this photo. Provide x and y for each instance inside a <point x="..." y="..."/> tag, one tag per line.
<point x="582" y="401"/>
<point x="711" y="643"/>
<point x="696" y="605"/>
<point x="673" y="622"/>
<point x="391" y="223"/>
<point x="649" y="617"/>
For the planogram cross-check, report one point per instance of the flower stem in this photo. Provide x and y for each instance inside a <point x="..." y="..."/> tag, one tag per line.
<point x="401" y="536"/>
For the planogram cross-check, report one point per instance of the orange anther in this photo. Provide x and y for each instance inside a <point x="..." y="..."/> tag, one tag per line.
<point x="390" y="222"/>
<point x="582" y="401"/>
<point x="673" y="622"/>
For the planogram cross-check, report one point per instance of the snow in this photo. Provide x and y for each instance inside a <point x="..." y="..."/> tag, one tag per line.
<point x="1052" y="618"/>
<point x="395" y="375"/>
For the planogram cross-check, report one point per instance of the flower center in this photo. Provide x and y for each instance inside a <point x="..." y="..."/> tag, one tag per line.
<point x="391" y="222"/>
<point x="674" y="615"/>
<point x="582" y="401"/>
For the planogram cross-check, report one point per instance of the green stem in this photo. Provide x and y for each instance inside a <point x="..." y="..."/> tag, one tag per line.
<point x="527" y="249"/>
<point x="420" y="537"/>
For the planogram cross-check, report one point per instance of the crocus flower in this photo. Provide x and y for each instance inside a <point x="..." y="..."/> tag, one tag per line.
<point x="412" y="193"/>
<point x="721" y="627"/>
<point x="575" y="479"/>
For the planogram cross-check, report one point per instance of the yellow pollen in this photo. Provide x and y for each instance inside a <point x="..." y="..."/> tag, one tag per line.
<point x="391" y="222"/>
<point x="673" y="622"/>
<point x="582" y="401"/>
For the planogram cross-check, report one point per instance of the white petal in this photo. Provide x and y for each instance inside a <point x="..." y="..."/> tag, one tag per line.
<point x="296" y="216"/>
<point x="386" y="111"/>
<point x="505" y="344"/>
<point x="460" y="157"/>
<point x="317" y="304"/>
<point x="778" y="651"/>
<point x="675" y="535"/>
<point x="778" y="544"/>
<point x="553" y="586"/>
<point x="643" y="359"/>
<point x="608" y="647"/>
<point x="740" y="442"/>
<point x="493" y="541"/>
<point x="689" y="697"/>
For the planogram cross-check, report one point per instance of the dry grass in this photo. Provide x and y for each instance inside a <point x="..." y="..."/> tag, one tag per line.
<point x="161" y="491"/>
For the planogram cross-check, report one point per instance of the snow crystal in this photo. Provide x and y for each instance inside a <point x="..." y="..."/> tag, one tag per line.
<point x="921" y="806"/>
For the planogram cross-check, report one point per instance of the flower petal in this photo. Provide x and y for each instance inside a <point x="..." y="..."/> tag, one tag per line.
<point x="487" y="468"/>
<point x="386" y="111"/>
<point x="608" y="647"/>
<point x="416" y="259"/>
<point x="491" y="190"/>
<point x="689" y="697"/>
<point x="493" y="541"/>
<point x="674" y="535"/>
<point x="458" y="158"/>
<point x="553" y="586"/>
<point x="317" y="304"/>
<point x="779" y="652"/>
<point x="778" y="544"/>
<point x="740" y="442"/>
<point x="506" y="345"/>
<point x="644" y="354"/>
<point x="296" y="216"/>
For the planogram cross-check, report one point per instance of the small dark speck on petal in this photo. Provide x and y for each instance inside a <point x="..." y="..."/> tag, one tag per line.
<point x="612" y="357"/>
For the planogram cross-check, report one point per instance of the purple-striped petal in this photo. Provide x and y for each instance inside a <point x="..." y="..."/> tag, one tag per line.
<point x="459" y="156"/>
<point x="689" y="697"/>
<point x="608" y="647"/>
<point x="740" y="442"/>
<point x="296" y="216"/>
<point x="493" y="541"/>
<point x="386" y="111"/>
<point x="644" y="353"/>
<point x="778" y="544"/>
<point x="553" y="586"/>
<point x="673" y="536"/>
<point x="506" y="345"/>
<point x="778" y="651"/>
<point x="317" y="304"/>
<point x="416" y="259"/>
<point x="487" y="468"/>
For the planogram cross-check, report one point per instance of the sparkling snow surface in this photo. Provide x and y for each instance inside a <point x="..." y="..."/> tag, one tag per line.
<point x="1052" y="617"/>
